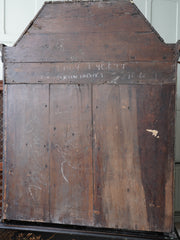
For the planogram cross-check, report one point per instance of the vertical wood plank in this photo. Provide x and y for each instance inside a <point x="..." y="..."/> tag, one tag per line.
<point x="119" y="193"/>
<point x="133" y="154"/>
<point x="156" y="113"/>
<point x="27" y="165"/>
<point x="71" y="155"/>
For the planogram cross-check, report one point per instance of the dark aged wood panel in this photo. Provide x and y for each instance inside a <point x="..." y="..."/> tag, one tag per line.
<point x="91" y="23"/>
<point x="119" y="193"/>
<point x="133" y="156"/>
<point x="111" y="73"/>
<point x="1" y="126"/>
<point x="1" y="184"/>
<point x="74" y="47"/>
<point x="89" y="17"/>
<point x="71" y="194"/>
<point x="1" y="144"/>
<point x="89" y="121"/>
<point x="156" y="112"/>
<point x="26" y="158"/>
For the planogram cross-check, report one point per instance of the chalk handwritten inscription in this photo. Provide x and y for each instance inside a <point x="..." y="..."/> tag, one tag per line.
<point x="110" y="73"/>
<point x="94" y="75"/>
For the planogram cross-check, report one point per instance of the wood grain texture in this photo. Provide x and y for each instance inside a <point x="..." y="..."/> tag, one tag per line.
<point x="97" y="17"/>
<point x="82" y="9"/>
<point x="156" y="111"/>
<point x="1" y="166"/>
<point x="27" y="164"/>
<point x="71" y="195"/>
<point x="114" y="46"/>
<point x="1" y="181"/>
<point x="1" y="126"/>
<point x="1" y="146"/>
<point x="89" y="119"/>
<point x="133" y="163"/>
<point x="91" y="72"/>
<point x="119" y="193"/>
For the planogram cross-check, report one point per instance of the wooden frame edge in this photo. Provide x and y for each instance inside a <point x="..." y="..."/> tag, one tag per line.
<point x="1" y="85"/>
<point x="1" y="166"/>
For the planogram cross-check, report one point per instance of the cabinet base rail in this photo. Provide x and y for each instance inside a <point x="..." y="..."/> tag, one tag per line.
<point x="66" y="232"/>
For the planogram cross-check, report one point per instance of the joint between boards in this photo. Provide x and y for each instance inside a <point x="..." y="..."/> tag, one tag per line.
<point x="92" y="137"/>
<point x="49" y="153"/>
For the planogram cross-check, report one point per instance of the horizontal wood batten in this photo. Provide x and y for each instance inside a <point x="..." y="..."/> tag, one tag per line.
<point x="84" y="47"/>
<point x="83" y="73"/>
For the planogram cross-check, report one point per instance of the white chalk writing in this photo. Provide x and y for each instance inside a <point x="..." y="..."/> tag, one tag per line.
<point x="94" y="75"/>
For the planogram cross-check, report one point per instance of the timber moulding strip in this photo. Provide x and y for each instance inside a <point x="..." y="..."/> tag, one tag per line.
<point x="79" y="233"/>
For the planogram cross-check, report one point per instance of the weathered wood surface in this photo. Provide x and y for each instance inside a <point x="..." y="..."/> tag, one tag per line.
<point x="85" y="73"/>
<point x="74" y="47"/>
<point x="90" y="32"/>
<point x="1" y="166"/>
<point x="1" y="145"/>
<point x="1" y="187"/>
<point x="27" y="162"/>
<point x="90" y="88"/>
<point x="71" y="181"/>
<point x="133" y="156"/>
<point x="1" y="125"/>
<point x="156" y="111"/>
<point x="123" y="185"/>
<point x="96" y="18"/>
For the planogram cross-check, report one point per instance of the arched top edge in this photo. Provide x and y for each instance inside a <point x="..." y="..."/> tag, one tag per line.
<point x="178" y="45"/>
<point x="148" y="33"/>
<point x="60" y="2"/>
<point x="29" y="25"/>
<point x="149" y="24"/>
<point x="104" y="1"/>
<point x="82" y="1"/>
<point x="1" y="46"/>
<point x="90" y="1"/>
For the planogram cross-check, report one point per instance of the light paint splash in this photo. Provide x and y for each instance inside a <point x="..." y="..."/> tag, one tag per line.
<point x="154" y="132"/>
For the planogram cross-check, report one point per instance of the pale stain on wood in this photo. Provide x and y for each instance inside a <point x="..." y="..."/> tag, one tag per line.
<point x="154" y="132"/>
